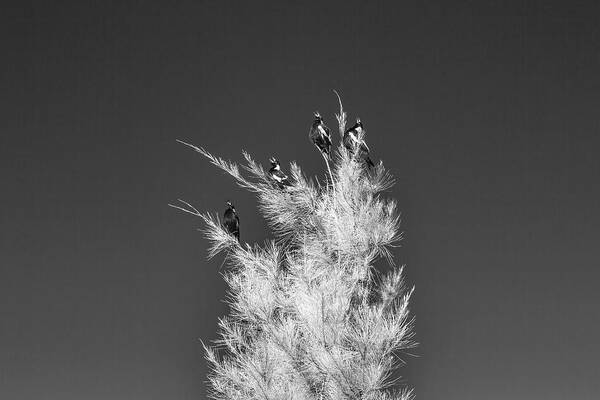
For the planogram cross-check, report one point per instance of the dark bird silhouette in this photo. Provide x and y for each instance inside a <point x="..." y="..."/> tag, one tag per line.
<point x="320" y="136"/>
<point x="276" y="175"/>
<point x="354" y="142"/>
<point x="231" y="221"/>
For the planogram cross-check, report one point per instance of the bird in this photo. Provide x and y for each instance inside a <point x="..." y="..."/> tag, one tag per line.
<point x="276" y="175"/>
<point x="320" y="136"/>
<point x="231" y="221"/>
<point x="353" y="141"/>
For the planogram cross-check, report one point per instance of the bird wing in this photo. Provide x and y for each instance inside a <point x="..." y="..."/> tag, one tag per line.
<point x="364" y="147"/>
<point x="230" y="219"/>
<point x="327" y="134"/>
<point x="347" y="140"/>
<point x="278" y="175"/>
<point x="323" y="130"/>
<point x="353" y="138"/>
<point x="282" y="176"/>
<point x="314" y="133"/>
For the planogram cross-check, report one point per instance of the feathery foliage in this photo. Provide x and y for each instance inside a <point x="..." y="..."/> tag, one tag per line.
<point x="310" y="316"/>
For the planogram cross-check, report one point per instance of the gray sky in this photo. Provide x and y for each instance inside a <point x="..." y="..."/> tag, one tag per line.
<point x="488" y="116"/>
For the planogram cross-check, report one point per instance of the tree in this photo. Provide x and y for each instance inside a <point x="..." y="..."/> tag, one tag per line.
<point x="311" y="318"/>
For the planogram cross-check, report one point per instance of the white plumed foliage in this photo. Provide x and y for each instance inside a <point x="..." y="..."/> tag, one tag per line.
<point x="310" y="316"/>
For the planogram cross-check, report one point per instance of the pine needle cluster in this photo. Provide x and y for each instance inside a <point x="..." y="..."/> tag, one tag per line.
<point x="311" y="318"/>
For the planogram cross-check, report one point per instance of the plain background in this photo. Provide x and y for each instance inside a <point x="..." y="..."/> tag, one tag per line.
<point x="486" y="113"/>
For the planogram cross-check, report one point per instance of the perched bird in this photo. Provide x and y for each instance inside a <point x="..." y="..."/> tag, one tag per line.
<point x="231" y="221"/>
<point x="276" y="175"/>
<point x="320" y="136"/>
<point x="353" y="141"/>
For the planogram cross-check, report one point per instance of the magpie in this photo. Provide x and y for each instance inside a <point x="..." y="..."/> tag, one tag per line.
<point x="276" y="175"/>
<point x="353" y="141"/>
<point x="231" y="221"/>
<point x="320" y="136"/>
